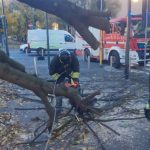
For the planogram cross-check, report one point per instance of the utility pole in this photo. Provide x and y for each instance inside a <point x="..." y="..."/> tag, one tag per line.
<point x="101" y="40"/>
<point x="34" y="21"/>
<point x="5" y="29"/>
<point x="47" y="32"/>
<point x="146" y="26"/>
<point x="127" y="52"/>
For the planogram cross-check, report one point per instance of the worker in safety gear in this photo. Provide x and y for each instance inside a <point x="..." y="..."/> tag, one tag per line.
<point x="65" y="65"/>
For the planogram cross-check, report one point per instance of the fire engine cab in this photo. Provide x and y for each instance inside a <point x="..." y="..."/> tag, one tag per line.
<point x="114" y="43"/>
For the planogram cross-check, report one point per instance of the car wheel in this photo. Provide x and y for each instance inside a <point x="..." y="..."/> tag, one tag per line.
<point x="115" y="59"/>
<point x="40" y="51"/>
<point x="27" y="50"/>
<point x="86" y="54"/>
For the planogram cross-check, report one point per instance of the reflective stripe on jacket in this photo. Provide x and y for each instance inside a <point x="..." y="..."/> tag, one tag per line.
<point x="71" y="69"/>
<point x="55" y="76"/>
<point x="75" y="74"/>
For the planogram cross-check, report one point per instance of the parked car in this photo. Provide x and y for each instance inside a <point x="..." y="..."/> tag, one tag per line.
<point x="25" y="48"/>
<point x="58" y="39"/>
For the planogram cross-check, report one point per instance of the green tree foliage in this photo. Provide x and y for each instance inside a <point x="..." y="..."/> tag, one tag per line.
<point x="21" y="17"/>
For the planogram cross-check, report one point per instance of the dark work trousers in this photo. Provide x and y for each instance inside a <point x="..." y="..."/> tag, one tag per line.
<point x="62" y="78"/>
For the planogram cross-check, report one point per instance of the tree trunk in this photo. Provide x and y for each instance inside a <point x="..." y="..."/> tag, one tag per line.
<point x="17" y="75"/>
<point x="81" y="19"/>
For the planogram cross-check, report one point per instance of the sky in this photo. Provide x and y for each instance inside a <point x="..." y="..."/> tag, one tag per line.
<point x="136" y="8"/>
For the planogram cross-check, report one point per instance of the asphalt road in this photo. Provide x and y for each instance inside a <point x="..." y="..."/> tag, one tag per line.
<point x="134" y="135"/>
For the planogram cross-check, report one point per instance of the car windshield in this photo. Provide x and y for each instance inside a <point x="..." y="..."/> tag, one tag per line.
<point x="139" y="29"/>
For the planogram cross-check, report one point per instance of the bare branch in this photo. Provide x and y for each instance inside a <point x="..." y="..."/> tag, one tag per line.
<point x="99" y="141"/>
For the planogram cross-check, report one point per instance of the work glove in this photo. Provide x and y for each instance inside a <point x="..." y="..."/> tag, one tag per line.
<point x="147" y="111"/>
<point x="55" y="76"/>
<point x="74" y="84"/>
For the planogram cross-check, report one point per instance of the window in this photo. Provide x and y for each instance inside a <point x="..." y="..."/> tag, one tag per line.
<point x="112" y="27"/>
<point x="120" y="28"/>
<point x="68" y="38"/>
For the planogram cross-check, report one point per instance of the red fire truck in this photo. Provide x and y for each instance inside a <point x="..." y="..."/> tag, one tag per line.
<point x="114" y="43"/>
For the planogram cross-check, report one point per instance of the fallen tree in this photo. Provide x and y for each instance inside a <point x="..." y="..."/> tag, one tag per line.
<point x="81" y="19"/>
<point x="14" y="72"/>
<point x="76" y="16"/>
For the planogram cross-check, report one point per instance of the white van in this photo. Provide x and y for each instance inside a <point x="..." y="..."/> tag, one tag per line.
<point x="58" y="39"/>
<point x="82" y="45"/>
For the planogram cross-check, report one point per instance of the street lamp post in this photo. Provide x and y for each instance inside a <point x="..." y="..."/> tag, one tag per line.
<point x="47" y="32"/>
<point x="34" y="20"/>
<point x="127" y="52"/>
<point x="146" y="25"/>
<point x="101" y="40"/>
<point x="101" y="5"/>
<point x="5" y="29"/>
